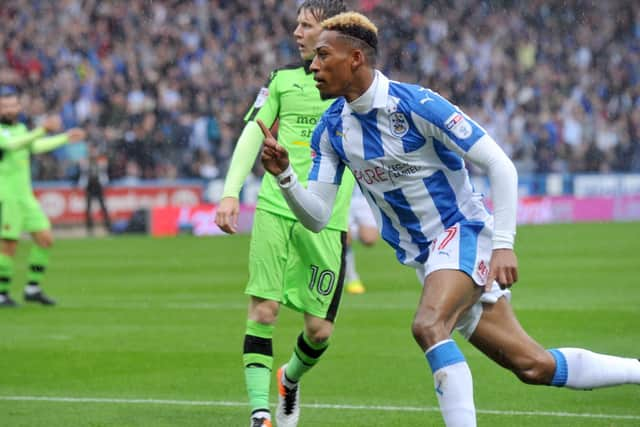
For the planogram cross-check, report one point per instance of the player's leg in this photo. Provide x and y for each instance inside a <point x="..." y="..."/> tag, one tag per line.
<point x="362" y="226"/>
<point x="37" y="223"/>
<point x="103" y="207"/>
<point x="453" y="277"/>
<point x="447" y="294"/>
<point x="88" y="195"/>
<point x="352" y="279"/>
<point x="38" y="262"/>
<point x="309" y="348"/>
<point x="501" y="337"/>
<point x="258" y="354"/>
<point x="368" y="234"/>
<point x="7" y="254"/>
<point x="314" y="283"/>
<point x="10" y="229"/>
<point x="267" y="261"/>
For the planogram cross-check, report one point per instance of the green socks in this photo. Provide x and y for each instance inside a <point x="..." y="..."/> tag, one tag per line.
<point x="6" y="272"/>
<point x="38" y="262"/>
<point x="258" y="362"/>
<point x="305" y="355"/>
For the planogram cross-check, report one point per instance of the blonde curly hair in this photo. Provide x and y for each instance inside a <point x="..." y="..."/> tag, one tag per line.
<point x="355" y="26"/>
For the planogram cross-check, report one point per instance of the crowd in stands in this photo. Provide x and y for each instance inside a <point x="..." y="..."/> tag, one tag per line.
<point x="162" y="86"/>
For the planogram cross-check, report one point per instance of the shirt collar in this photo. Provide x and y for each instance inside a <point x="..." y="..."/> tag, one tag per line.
<point x="374" y="97"/>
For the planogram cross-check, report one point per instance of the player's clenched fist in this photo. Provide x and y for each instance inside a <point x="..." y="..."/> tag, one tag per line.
<point x="275" y="157"/>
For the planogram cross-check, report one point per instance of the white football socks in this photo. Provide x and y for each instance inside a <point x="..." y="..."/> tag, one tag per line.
<point x="453" y="384"/>
<point x="583" y="369"/>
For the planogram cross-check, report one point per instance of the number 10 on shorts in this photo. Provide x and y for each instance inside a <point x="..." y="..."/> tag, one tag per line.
<point x="323" y="281"/>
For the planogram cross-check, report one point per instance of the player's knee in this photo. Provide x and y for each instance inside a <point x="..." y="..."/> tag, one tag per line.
<point x="265" y="312"/>
<point x="428" y="330"/>
<point x="535" y="369"/>
<point x="9" y="247"/>
<point x="369" y="236"/>
<point x="319" y="336"/>
<point x="319" y="332"/>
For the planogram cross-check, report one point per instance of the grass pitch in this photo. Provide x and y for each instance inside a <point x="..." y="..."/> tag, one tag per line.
<point x="148" y="332"/>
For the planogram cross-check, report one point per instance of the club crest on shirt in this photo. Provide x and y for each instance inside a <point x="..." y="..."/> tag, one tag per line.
<point x="458" y="125"/>
<point x="398" y="124"/>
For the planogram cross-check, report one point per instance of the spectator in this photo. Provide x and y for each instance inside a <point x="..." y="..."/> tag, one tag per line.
<point x="93" y="179"/>
<point x="549" y="77"/>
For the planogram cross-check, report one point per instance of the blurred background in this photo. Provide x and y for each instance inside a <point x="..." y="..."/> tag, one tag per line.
<point x="148" y="331"/>
<point x="162" y="87"/>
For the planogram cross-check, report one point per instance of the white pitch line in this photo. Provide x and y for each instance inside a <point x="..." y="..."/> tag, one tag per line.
<point x="242" y="306"/>
<point x="384" y="408"/>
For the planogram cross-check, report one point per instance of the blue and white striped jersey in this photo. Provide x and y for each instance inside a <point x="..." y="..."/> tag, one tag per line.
<point x="407" y="156"/>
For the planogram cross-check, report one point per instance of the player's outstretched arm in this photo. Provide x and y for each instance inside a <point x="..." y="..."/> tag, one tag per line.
<point x="15" y="143"/>
<point x="49" y="143"/>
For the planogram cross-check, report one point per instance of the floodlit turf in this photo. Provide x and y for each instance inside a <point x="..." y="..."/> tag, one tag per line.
<point x="149" y="332"/>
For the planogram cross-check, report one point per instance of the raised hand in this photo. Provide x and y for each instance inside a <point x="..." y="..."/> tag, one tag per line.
<point x="275" y="157"/>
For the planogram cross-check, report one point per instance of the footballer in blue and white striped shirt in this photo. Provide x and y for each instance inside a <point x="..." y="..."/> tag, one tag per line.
<point x="406" y="146"/>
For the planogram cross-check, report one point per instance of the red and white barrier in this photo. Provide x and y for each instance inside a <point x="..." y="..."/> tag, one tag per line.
<point x="66" y="204"/>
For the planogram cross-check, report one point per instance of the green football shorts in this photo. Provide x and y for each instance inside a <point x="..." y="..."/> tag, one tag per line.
<point x="18" y="215"/>
<point x="296" y="267"/>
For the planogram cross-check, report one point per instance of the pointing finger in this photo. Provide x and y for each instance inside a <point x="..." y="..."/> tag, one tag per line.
<point x="265" y="130"/>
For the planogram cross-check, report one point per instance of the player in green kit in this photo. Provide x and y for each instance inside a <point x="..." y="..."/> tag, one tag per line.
<point x="287" y="264"/>
<point x="19" y="209"/>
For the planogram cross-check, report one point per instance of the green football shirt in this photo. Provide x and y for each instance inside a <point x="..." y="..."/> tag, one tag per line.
<point x="15" y="168"/>
<point x="292" y="99"/>
<point x="16" y="145"/>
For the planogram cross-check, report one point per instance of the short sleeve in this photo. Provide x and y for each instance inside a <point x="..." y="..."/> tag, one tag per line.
<point x="435" y="116"/>
<point x="327" y="165"/>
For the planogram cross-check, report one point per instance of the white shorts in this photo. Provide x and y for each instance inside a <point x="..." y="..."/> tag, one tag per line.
<point x="360" y="214"/>
<point x="467" y="247"/>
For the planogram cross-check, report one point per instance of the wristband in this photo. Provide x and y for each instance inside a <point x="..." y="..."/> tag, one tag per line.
<point x="288" y="178"/>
